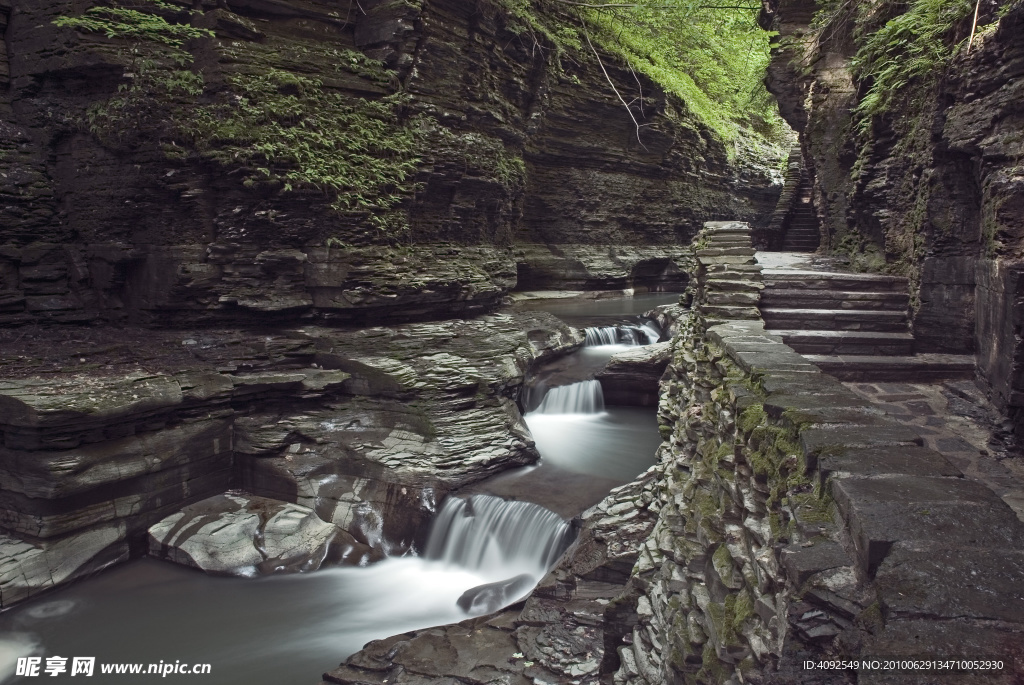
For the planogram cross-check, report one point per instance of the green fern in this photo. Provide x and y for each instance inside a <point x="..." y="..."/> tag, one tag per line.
<point x="910" y="49"/>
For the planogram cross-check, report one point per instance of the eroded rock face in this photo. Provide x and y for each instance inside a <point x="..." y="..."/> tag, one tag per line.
<point x="238" y="534"/>
<point x="148" y="224"/>
<point x="368" y="428"/>
<point x="631" y="377"/>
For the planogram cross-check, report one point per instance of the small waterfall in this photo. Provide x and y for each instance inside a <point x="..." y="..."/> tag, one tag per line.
<point x="498" y="537"/>
<point x="644" y="334"/>
<point x="584" y="397"/>
<point x="601" y="335"/>
<point x="652" y="331"/>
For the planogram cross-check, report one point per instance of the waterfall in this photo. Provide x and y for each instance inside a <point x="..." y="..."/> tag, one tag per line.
<point x="498" y="537"/>
<point x="652" y="331"/>
<point x="644" y="334"/>
<point x="584" y="397"/>
<point x="601" y="335"/>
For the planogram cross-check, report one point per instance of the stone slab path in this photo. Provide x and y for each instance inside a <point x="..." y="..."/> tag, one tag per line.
<point x="955" y="419"/>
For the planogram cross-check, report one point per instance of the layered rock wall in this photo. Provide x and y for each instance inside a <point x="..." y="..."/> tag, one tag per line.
<point x="365" y="429"/>
<point x="122" y="198"/>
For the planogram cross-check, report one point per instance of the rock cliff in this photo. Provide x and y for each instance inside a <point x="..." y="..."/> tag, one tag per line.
<point x="202" y="202"/>
<point x="260" y="159"/>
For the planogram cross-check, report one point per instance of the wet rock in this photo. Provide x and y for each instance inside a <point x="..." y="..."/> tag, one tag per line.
<point x="631" y="377"/>
<point x="368" y="428"/>
<point x="566" y="633"/>
<point x="601" y="267"/>
<point x="486" y="599"/>
<point x="28" y="568"/>
<point x="244" y="535"/>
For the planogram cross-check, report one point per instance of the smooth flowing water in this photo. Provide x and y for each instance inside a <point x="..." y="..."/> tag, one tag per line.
<point x="482" y="553"/>
<point x="644" y="334"/>
<point x="583" y="398"/>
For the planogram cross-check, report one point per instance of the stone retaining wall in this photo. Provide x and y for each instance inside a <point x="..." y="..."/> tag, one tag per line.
<point x="798" y="522"/>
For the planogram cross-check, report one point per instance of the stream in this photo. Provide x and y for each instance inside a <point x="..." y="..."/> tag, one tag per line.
<point x="487" y="548"/>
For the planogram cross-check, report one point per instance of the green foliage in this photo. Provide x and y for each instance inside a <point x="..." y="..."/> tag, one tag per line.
<point x="478" y="154"/>
<point x="910" y="49"/>
<point x="284" y="130"/>
<point x="290" y="133"/>
<point x="713" y="58"/>
<point x="138" y="22"/>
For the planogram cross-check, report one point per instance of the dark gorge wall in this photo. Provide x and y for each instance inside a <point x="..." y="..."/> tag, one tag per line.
<point x="213" y="188"/>
<point x="268" y="169"/>
<point x="932" y="186"/>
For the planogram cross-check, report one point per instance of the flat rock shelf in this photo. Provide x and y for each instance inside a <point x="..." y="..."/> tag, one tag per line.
<point x="483" y="545"/>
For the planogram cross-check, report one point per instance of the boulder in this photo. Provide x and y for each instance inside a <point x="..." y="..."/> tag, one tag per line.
<point x="245" y="535"/>
<point x="631" y="377"/>
<point x="488" y="598"/>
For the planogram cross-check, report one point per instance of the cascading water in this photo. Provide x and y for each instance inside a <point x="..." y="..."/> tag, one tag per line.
<point x="483" y="553"/>
<point x="516" y="542"/>
<point x="584" y="397"/>
<point x="652" y="331"/>
<point x="489" y="534"/>
<point x="630" y="336"/>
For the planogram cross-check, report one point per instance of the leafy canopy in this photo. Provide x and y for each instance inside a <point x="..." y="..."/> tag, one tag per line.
<point x="710" y="53"/>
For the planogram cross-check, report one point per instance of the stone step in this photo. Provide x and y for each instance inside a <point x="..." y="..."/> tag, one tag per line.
<point x="827" y="280"/>
<point x="730" y="242"/>
<point x="727" y="235"/>
<point x="835" y="319"/>
<point x="734" y="297"/>
<point x="727" y="228"/>
<point x="737" y="268"/>
<point x="726" y="251"/>
<point x="919" y="367"/>
<point x="740" y="285"/>
<point x="729" y="313"/>
<point x="796" y="298"/>
<point x="873" y="343"/>
<point x="727" y="259"/>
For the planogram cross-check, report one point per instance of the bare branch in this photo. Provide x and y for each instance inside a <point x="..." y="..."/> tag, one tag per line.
<point x="586" y="34"/>
<point x="974" y="25"/>
<point x="638" y="85"/>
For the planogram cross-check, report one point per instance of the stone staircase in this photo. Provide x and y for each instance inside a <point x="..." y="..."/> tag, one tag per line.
<point x="802" y="233"/>
<point x="729" y="277"/>
<point x="853" y="326"/>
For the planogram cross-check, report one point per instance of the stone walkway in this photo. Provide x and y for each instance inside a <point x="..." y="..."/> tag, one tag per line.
<point x="955" y="420"/>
